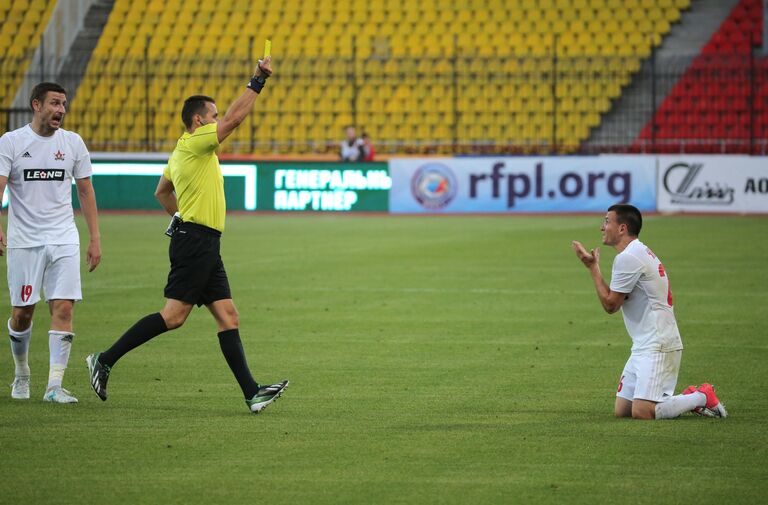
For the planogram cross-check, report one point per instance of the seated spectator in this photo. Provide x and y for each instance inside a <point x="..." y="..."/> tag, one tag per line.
<point x="352" y="148"/>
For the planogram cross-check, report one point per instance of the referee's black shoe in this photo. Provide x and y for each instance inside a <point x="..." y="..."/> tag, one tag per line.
<point x="265" y="396"/>
<point x="99" y="375"/>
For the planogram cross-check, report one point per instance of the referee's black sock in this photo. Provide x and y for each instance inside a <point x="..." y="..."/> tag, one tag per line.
<point x="143" y="331"/>
<point x="232" y="348"/>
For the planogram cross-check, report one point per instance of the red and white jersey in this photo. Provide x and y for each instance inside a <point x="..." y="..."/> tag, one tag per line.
<point x="40" y="172"/>
<point x="647" y="311"/>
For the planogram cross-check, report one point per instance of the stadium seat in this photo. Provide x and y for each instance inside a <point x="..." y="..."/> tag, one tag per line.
<point x="716" y="112"/>
<point x="390" y="63"/>
<point x="22" y="26"/>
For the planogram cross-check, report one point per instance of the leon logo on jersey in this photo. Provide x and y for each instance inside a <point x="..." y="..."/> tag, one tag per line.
<point x="44" y="174"/>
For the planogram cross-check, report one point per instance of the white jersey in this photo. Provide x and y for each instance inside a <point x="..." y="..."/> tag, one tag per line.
<point x="647" y="311"/>
<point x="40" y="172"/>
<point x="353" y="151"/>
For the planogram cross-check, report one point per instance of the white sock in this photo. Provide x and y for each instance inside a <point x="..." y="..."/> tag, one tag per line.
<point x="59" y="344"/>
<point x="20" y="349"/>
<point x="676" y="405"/>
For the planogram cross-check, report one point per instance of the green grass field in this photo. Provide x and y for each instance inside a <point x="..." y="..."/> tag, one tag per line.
<point x="432" y="360"/>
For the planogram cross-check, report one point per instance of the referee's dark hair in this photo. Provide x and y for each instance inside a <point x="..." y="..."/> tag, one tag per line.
<point x="628" y="215"/>
<point x="39" y="91"/>
<point x="194" y="105"/>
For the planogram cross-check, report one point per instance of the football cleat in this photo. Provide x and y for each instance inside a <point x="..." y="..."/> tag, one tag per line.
<point x="704" y="411"/>
<point x="698" y="410"/>
<point x="59" y="395"/>
<point x="265" y="396"/>
<point x="689" y="390"/>
<point x="99" y="375"/>
<point x="713" y="403"/>
<point x="20" y="388"/>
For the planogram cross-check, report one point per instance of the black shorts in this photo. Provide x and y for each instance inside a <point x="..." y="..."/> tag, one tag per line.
<point x="197" y="273"/>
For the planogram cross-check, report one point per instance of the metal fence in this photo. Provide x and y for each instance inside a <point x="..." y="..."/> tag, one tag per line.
<point x="465" y="105"/>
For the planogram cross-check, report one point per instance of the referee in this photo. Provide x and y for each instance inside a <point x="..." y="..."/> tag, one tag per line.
<point x="192" y="190"/>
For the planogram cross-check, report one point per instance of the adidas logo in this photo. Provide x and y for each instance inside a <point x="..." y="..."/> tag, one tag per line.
<point x="26" y="155"/>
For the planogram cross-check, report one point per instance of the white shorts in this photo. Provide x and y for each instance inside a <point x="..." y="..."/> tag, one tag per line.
<point x="53" y="268"/>
<point x="650" y="376"/>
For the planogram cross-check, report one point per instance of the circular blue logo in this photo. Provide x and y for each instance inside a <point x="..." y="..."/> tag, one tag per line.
<point x="433" y="185"/>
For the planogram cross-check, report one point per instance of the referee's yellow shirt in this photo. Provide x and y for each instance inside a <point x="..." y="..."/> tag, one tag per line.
<point x="196" y="176"/>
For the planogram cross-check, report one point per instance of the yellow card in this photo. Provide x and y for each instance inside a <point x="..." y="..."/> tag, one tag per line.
<point x="267" y="47"/>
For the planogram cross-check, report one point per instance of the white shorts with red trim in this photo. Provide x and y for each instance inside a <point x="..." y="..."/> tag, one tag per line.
<point x="650" y="376"/>
<point x="54" y="269"/>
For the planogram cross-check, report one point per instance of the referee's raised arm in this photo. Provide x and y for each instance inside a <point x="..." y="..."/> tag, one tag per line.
<point x="244" y="103"/>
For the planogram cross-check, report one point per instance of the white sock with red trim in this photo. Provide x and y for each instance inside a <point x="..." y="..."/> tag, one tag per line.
<point x="675" y="405"/>
<point x="59" y="344"/>
<point x="20" y="349"/>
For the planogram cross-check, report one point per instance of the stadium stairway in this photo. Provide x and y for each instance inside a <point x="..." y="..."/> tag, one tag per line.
<point x="76" y="62"/>
<point x="631" y="111"/>
<point x="67" y="32"/>
<point x="21" y="25"/>
<point x="726" y="112"/>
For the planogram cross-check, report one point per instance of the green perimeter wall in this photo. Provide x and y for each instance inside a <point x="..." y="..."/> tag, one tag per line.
<point x="323" y="187"/>
<point x="277" y="186"/>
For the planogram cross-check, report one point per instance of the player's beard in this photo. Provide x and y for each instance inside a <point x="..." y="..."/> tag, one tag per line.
<point x="55" y="123"/>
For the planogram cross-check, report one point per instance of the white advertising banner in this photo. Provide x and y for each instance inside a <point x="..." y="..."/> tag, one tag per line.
<point x="732" y="184"/>
<point x="521" y="184"/>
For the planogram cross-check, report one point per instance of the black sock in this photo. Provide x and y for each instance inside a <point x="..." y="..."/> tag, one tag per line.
<point x="143" y="331"/>
<point x="232" y="348"/>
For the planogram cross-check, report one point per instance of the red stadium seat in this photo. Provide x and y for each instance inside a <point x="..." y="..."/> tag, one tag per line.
<point x="712" y="111"/>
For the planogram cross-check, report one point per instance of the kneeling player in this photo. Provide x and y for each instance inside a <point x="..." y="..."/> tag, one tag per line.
<point x="640" y="288"/>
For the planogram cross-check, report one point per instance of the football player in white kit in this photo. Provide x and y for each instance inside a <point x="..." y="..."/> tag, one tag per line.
<point x="640" y="289"/>
<point x="37" y="164"/>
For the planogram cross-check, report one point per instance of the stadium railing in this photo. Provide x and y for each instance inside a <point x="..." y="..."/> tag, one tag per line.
<point x="412" y="105"/>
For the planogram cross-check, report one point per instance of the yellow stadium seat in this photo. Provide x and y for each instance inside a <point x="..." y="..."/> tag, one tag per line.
<point x="404" y="72"/>
<point x="22" y="25"/>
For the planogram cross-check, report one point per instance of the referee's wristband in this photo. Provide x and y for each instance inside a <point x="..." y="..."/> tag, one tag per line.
<point x="257" y="83"/>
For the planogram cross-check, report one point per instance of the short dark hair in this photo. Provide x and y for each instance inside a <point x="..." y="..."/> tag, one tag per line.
<point x="194" y="105"/>
<point x="628" y="215"/>
<point x="42" y="89"/>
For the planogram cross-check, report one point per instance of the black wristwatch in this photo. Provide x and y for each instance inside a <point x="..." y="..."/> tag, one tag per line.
<point x="257" y="83"/>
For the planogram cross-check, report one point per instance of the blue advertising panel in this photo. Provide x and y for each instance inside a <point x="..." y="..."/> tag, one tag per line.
<point x="535" y="184"/>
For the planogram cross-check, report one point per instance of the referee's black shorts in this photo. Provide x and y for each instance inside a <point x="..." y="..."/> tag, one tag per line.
<point x="197" y="273"/>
